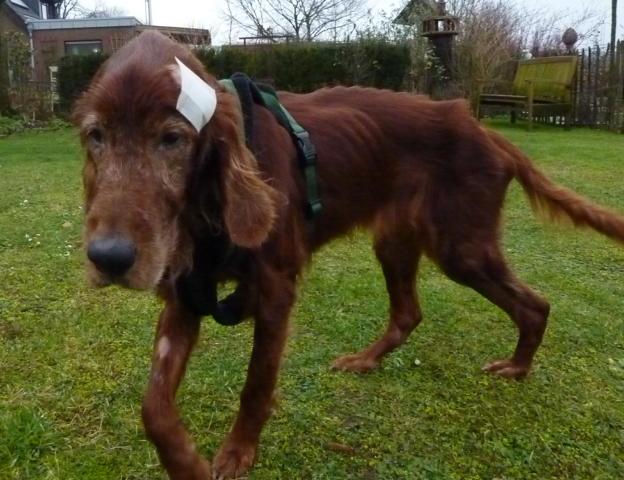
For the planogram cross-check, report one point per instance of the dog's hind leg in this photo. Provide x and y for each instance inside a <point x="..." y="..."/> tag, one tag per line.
<point x="479" y="264"/>
<point x="398" y="252"/>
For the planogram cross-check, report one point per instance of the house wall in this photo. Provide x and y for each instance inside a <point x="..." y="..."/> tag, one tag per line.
<point x="49" y="45"/>
<point x="7" y="24"/>
<point x="9" y="21"/>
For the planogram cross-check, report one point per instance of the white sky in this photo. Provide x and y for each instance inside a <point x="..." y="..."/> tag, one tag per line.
<point x="209" y="13"/>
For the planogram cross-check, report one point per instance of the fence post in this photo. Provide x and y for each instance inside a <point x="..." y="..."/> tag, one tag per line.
<point x="595" y="118"/>
<point x="619" y="85"/>
<point x="612" y="87"/>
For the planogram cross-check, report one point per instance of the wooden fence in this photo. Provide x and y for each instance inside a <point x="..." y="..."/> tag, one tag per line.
<point x="599" y="90"/>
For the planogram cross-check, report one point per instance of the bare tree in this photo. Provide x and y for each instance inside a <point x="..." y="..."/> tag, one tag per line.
<point x="612" y="70"/>
<point x="4" y="74"/>
<point x="62" y="8"/>
<point x="494" y="34"/>
<point x="614" y="5"/>
<point x="101" y="10"/>
<point x="303" y="19"/>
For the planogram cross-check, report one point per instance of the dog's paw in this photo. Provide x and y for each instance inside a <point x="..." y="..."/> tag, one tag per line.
<point x="507" y="369"/>
<point x="233" y="460"/>
<point x="197" y="469"/>
<point x="203" y="470"/>
<point x="357" y="363"/>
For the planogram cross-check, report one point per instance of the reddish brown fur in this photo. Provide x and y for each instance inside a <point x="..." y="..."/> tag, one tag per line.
<point x="424" y="176"/>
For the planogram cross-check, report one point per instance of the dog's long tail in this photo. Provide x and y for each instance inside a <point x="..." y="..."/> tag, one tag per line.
<point x="556" y="200"/>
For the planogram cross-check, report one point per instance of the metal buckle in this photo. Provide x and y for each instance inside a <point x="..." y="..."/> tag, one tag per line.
<point x="307" y="148"/>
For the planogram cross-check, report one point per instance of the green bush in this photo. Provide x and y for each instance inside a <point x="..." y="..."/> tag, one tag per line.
<point x="17" y="124"/>
<point x="298" y="67"/>
<point x="305" y="67"/>
<point x="9" y="125"/>
<point x="4" y="78"/>
<point x="74" y="74"/>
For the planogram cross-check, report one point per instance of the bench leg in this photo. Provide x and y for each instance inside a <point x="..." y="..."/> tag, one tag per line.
<point x="513" y="115"/>
<point x="568" y="120"/>
<point x="530" y="98"/>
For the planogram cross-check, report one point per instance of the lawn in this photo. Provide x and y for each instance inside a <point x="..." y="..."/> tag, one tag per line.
<point x="74" y="361"/>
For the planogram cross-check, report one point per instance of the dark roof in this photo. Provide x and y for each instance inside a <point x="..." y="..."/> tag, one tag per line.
<point x="73" y="23"/>
<point x="180" y="33"/>
<point x="412" y="7"/>
<point x="26" y="10"/>
<point x="35" y="6"/>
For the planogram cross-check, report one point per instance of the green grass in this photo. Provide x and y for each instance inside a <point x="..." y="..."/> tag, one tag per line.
<point x="74" y="361"/>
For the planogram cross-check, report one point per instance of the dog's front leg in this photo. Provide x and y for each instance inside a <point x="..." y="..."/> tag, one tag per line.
<point x="175" y="337"/>
<point x="238" y="451"/>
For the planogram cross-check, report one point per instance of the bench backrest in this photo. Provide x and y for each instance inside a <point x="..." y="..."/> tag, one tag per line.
<point x="547" y="69"/>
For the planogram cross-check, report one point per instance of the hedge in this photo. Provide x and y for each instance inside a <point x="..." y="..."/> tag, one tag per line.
<point x="298" y="67"/>
<point x="74" y="74"/>
<point x="307" y="66"/>
<point x="5" y="106"/>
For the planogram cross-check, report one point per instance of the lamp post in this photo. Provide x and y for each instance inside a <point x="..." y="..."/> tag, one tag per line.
<point x="148" y="11"/>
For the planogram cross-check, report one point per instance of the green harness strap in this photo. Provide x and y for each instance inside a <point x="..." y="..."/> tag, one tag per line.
<point x="229" y="86"/>
<point x="305" y="147"/>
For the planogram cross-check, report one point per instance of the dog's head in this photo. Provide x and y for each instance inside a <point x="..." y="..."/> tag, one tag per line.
<point x="144" y="160"/>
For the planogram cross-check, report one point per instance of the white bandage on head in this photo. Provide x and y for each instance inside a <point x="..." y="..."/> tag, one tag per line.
<point x="197" y="100"/>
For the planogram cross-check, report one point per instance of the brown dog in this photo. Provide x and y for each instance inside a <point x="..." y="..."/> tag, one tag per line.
<point x="424" y="176"/>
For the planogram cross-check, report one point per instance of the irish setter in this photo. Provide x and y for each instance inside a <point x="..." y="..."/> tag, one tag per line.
<point x="423" y="176"/>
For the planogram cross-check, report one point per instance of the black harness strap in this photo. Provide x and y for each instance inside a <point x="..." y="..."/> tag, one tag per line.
<point x="247" y="96"/>
<point x="264" y="95"/>
<point x="198" y="289"/>
<point x="305" y="150"/>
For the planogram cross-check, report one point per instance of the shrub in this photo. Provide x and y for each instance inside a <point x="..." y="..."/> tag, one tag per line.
<point x="74" y="74"/>
<point x="298" y="67"/>
<point x="303" y="67"/>
<point x="9" y="125"/>
<point x="4" y="77"/>
<point x="16" y="124"/>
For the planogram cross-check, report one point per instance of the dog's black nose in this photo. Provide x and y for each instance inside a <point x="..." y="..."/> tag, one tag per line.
<point x="112" y="255"/>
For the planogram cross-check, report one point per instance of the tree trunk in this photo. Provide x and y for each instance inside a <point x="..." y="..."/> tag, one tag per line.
<point x="614" y="4"/>
<point x="4" y="75"/>
<point x="612" y="72"/>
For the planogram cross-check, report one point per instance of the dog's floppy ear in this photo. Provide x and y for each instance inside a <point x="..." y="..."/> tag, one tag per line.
<point x="249" y="208"/>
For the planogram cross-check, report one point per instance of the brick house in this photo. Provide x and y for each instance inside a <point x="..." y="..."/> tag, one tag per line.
<point x="15" y="14"/>
<point x="51" y="39"/>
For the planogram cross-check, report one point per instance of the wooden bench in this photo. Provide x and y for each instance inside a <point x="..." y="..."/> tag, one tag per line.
<point x="541" y="86"/>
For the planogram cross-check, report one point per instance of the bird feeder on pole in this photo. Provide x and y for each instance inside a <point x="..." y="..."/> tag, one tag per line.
<point x="569" y="39"/>
<point x="441" y="30"/>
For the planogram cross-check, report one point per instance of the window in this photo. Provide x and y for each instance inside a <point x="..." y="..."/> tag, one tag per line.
<point x="54" y="84"/>
<point x="118" y="41"/>
<point x="83" y="48"/>
<point x="53" y="77"/>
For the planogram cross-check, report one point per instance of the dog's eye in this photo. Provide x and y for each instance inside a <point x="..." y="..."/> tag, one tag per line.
<point x="170" y="139"/>
<point x="95" y="136"/>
